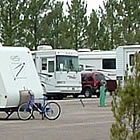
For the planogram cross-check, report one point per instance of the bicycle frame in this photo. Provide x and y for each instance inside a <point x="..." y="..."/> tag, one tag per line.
<point x="32" y="102"/>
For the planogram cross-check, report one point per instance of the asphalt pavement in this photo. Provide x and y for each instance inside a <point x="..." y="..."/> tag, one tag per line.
<point x="81" y="119"/>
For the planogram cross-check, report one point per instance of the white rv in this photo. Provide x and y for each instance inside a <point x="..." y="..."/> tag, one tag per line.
<point x="125" y="58"/>
<point x="17" y="75"/>
<point x="58" y="70"/>
<point x="101" y="61"/>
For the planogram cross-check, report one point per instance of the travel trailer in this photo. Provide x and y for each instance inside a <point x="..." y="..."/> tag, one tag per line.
<point x="125" y="59"/>
<point x="58" y="70"/>
<point x="100" y="61"/>
<point x="18" y="75"/>
<point x="113" y="64"/>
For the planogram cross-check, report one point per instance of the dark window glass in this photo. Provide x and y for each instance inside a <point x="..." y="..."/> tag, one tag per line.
<point x="131" y="59"/>
<point x="70" y="63"/>
<point x="100" y="77"/>
<point x="51" y="66"/>
<point x="109" y="63"/>
<point x="44" y="63"/>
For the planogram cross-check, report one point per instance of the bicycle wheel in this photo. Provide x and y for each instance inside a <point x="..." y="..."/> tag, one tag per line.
<point x="25" y="111"/>
<point x="52" y="110"/>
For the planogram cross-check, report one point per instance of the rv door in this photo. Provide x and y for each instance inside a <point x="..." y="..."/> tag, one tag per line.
<point x="44" y="65"/>
<point x="47" y="66"/>
<point x="130" y="62"/>
<point x="50" y="63"/>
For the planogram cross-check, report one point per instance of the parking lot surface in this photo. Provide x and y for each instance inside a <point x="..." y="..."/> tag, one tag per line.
<point x="78" y="121"/>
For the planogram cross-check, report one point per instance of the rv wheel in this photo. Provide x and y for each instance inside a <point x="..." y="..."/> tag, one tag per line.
<point x="88" y="93"/>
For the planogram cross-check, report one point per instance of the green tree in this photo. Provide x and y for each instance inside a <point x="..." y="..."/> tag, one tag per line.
<point x="103" y="32"/>
<point x="126" y="107"/>
<point x="130" y="21"/>
<point x="77" y="20"/>
<point x="11" y="19"/>
<point x="92" y="31"/>
<point x="66" y="36"/>
<point x="110" y="23"/>
<point x="34" y="13"/>
<point x="53" y="25"/>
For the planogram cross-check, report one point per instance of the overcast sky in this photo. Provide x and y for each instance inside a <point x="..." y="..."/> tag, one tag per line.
<point x="91" y="4"/>
<point x="94" y="4"/>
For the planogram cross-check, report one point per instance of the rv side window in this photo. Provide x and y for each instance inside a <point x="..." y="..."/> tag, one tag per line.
<point x="44" y="63"/>
<point x="51" y="66"/>
<point x="109" y="64"/>
<point x="131" y="59"/>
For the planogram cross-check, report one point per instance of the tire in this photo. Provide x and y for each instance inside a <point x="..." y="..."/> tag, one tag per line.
<point x="88" y="93"/>
<point x="52" y="110"/>
<point x="25" y="111"/>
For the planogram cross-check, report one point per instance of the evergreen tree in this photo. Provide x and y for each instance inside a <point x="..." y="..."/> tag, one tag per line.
<point x="110" y="23"/>
<point x="103" y="32"/>
<point x="120" y="23"/>
<point x="53" y="25"/>
<point x="130" y="21"/>
<point x="34" y="13"/>
<point x="66" y="36"/>
<point x="92" y="30"/>
<point x="126" y="106"/>
<point x="11" y="19"/>
<point x="77" y="20"/>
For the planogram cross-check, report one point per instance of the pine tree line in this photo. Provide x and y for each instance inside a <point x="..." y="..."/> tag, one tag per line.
<point x="35" y="22"/>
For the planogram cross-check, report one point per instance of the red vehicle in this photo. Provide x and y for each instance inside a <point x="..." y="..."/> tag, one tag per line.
<point x="111" y="86"/>
<point x="91" y="82"/>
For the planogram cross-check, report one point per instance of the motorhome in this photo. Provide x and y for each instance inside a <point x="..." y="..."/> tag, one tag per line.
<point x="17" y="76"/>
<point x="58" y="70"/>
<point x="100" y="61"/>
<point x="125" y="59"/>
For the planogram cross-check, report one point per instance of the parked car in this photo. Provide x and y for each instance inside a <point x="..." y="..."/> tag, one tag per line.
<point x="91" y="82"/>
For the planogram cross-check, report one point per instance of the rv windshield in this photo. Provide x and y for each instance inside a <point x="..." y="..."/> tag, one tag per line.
<point x="67" y="63"/>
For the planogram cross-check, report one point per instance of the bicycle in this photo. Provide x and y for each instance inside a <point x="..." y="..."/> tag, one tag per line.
<point x="51" y="110"/>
